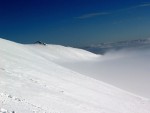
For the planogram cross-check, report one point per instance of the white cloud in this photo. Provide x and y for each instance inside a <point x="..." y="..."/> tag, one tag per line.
<point x="90" y="15"/>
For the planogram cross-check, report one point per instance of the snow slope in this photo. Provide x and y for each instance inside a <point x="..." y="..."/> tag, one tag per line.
<point x="33" y="81"/>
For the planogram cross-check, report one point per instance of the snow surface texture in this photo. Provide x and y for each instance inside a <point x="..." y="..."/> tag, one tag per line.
<point x="34" y="80"/>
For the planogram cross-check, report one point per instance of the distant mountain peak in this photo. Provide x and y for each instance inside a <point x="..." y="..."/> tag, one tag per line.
<point x="40" y="42"/>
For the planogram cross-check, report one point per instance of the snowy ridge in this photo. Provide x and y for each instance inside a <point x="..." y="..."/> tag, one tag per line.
<point x="61" y="53"/>
<point x="33" y="81"/>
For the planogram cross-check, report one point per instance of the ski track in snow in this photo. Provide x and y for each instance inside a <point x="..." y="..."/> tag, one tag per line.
<point x="7" y="100"/>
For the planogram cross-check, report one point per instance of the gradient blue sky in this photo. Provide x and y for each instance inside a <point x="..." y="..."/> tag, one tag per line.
<point x="74" y="22"/>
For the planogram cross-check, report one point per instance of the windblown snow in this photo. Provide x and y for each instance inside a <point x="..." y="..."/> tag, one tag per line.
<point x="33" y="80"/>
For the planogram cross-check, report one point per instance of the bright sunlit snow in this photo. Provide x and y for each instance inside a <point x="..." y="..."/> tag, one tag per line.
<point x="48" y="79"/>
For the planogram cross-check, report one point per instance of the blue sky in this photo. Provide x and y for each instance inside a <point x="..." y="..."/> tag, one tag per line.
<point x="74" y="22"/>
